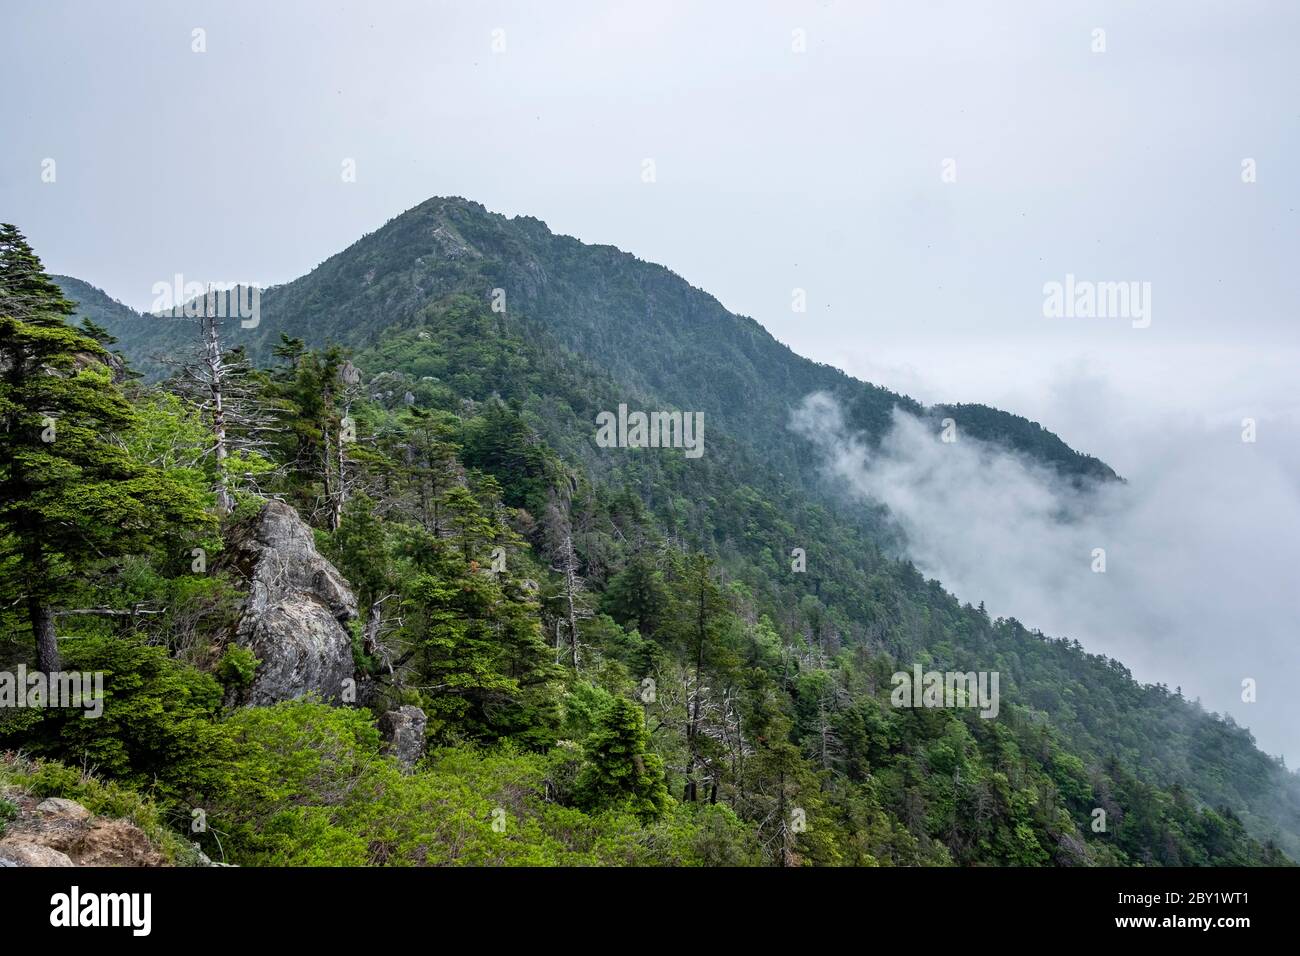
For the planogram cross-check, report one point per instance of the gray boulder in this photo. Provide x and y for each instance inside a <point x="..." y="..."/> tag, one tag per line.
<point x="294" y="619"/>
<point x="403" y="733"/>
<point x="19" y="853"/>
<point x="69" y="809"/>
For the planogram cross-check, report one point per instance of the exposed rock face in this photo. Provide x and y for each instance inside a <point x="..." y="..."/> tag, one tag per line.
<point x="297" y="608"/>
<point x="403" y="733"/>
<point x="58" y="832"/>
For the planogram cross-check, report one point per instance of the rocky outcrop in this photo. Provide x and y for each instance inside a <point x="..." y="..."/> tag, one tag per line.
<point x="294" y="619"/>
<point x="58" y="832"/>
<point x="403" y="733"/>
<point x="19" y="853"/>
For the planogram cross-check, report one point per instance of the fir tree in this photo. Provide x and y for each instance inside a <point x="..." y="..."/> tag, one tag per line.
<point x="621" y="771"/>
<point x="70" y="494"/>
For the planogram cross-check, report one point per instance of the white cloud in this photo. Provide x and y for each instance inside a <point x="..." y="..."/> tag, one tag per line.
<point x="1202" y="550"/>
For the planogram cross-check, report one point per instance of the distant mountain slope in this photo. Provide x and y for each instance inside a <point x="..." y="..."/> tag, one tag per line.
<point x="98" y="306"/>
<point x="646" y="326"/>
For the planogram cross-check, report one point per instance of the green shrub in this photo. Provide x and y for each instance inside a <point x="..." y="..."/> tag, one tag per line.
<point x="312" y="788"/>
<point x="306" y="778"/>
<point x="237" y="666"/>
<point x="159" y="730"/>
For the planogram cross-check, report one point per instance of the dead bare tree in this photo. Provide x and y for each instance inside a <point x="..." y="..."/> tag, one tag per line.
<point x="216" y="382"/>
<point x="824" y="743"/>
<point x="573" y="599"/>
<point x="710" y="720"/>
<point x="376" y="634"/>
<point x="338" y="483"/>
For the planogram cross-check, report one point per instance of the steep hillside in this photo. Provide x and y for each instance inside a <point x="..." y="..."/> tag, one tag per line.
<point x="853" y="597"/>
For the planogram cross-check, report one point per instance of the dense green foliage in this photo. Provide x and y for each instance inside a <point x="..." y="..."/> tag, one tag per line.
<point x="71" y="494"/>
<point x="621" y="770"/>
<point x="617" y="661"/>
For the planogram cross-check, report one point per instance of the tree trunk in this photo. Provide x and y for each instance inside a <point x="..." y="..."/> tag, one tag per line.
<point x="327" y="474"/>
<point x="341" y="491"/>
<point x="782" y="822"/>
<point x="212" y="357"/>
<point x="693" y="724"/>
<point x="370" y="634"/>
<point x="47" y="639"/>
<point x="571" y="585"/>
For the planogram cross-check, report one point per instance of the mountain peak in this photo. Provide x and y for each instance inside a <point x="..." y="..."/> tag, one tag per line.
<point x="651" y="329"/>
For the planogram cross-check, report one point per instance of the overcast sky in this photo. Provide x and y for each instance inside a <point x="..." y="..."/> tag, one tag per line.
<point x="822" y="170"/>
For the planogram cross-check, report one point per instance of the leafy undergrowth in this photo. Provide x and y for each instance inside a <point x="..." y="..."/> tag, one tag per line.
<point x="311" y="788"/>
<point x="314" y="790"/>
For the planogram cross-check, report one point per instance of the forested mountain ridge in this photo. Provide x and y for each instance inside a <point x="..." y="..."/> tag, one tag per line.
<point x="473" y="432"/>
<point x="96" y="304"/>
<point x="647" y="327"/>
